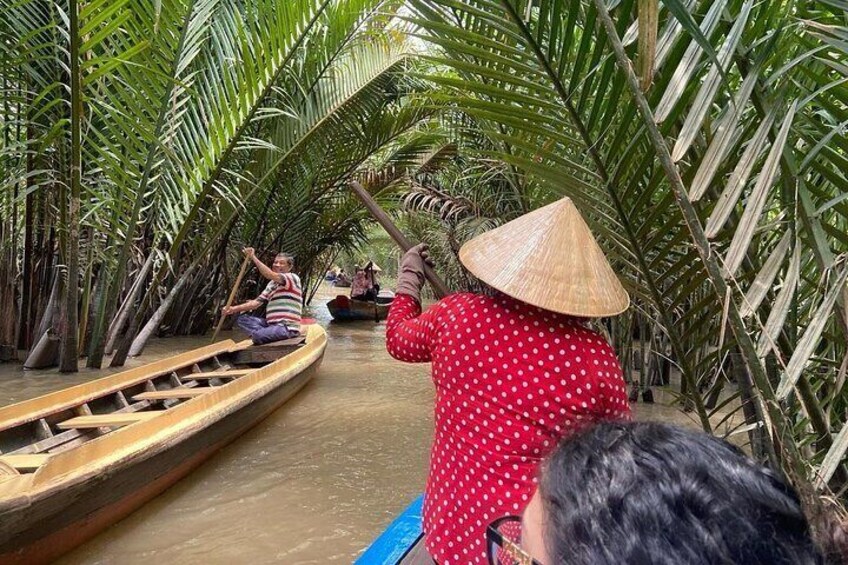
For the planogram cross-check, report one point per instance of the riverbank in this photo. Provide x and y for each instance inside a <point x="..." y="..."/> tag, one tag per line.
<point x="312" y="484"/>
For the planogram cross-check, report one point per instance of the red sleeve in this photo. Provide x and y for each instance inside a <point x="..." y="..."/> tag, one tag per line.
<point x="616" y="405"/>
<point x="409" y="333"/>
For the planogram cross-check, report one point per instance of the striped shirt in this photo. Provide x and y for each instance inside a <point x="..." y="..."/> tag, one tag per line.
<point x="285" y="299"/>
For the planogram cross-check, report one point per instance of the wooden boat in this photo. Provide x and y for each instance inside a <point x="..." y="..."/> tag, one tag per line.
<point x="397" y="544"/>
<point x="344" y="309"/>
<point x="77" y="460"/>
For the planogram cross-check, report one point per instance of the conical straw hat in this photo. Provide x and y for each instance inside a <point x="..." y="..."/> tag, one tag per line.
<point x="548" y="258"/>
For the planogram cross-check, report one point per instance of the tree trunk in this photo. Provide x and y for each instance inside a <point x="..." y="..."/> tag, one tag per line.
<point x="9" y="236"/>
<point x="7" y="285"/>
<point x="70" y="330"/>
<point x="44" y="271"/>
<point x="644" y="352"/>
<point x="125" y="309"/>
<point x="45" y="354"/>
<point x="52" y="305"/>
<point x="27" y="276"/>
<point x="24" y="340"/>
<point x="197" y="297"/>
<point x="89" y="291"/>
<point x="126" y="341"/>
<point x="761" y="448"/>
<point x="141" y="340"/>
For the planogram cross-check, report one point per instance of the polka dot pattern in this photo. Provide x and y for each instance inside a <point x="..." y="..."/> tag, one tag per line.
<point x="511" y="379"/>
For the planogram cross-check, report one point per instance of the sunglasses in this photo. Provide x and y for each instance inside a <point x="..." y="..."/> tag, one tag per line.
<point x="503" y="543"/>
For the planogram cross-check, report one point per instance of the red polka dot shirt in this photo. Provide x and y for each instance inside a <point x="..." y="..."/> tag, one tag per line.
<point x="511" y="379"/>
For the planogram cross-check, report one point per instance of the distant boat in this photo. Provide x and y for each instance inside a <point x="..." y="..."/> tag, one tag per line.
<point x="77" y="460"/>
<point x="344" y="309"/>
<point x="398" y="541"/>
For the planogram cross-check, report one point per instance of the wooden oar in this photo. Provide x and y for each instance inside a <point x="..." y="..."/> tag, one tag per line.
<point x="376" y="306"/>
<point x="232" y="296"/>
<point x="439" y="287"/>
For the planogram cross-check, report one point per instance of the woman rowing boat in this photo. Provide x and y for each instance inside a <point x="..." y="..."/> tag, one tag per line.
<point x="514" y="369"/>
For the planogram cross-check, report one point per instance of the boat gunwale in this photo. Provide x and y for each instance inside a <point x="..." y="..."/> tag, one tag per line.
<point x="33" y="409"/>
<point x="398" y="539"/>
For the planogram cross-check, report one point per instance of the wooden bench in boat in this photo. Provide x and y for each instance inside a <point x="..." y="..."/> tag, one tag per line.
<point x="113" y="420"/>
<point x="173" y="393"/>
<point x="27" y="462"/>
<point x="216" y="375"/>
<point x="299" y="340"/>
<point x="268" y="352"/>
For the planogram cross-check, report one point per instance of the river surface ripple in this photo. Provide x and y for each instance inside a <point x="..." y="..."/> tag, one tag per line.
<point x="314" y="483"/>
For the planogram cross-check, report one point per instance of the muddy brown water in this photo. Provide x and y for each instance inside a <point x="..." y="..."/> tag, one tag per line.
<point x="314" y="483"/>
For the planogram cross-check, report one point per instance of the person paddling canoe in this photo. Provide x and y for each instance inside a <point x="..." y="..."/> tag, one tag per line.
<point x="514" y="369"/>
<point x="283" y="296"/>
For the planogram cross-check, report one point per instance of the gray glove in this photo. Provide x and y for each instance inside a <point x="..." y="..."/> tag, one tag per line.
<point x="411" y="277"/>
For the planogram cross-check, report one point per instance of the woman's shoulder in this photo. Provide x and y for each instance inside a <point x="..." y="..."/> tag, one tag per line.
<point x="459" y="299"/>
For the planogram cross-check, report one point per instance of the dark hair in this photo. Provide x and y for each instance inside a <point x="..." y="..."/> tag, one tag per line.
<point x="654" y="493"/>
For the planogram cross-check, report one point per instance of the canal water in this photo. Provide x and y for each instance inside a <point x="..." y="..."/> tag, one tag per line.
<point x="312" y="484"/>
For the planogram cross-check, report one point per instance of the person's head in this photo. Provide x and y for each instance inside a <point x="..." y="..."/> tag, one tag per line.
<point x="655" y="493"/>
<point x="283" y="263"/>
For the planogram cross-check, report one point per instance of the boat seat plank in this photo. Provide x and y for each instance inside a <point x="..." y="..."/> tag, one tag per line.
<point x="134" y="407"/>
<point x="58" y="440"/>
<point x="25" y="462"/>
<point x="107" y="420"/>
<point x="172" y="393"/>
<point x="268" y="353"/>
<point x="297" y="340"/>
<point x="216" y="374"/>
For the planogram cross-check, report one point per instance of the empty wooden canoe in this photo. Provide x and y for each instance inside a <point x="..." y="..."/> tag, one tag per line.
<point x="77" y="460"/>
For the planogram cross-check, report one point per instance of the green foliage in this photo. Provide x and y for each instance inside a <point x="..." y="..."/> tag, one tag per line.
<point x="206" y="125"/>
<point x="690" y="186"/>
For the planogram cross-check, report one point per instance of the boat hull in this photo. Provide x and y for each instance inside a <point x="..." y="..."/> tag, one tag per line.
<point x="396" y="544"/>
<point x="56" y="519"/>
<point x="348" y="310"/>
